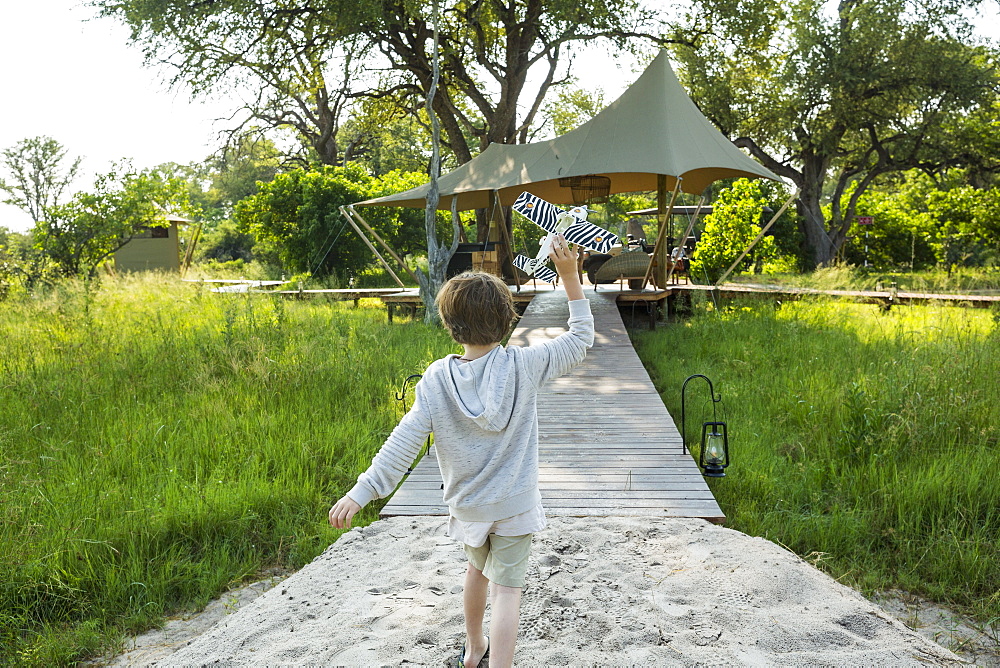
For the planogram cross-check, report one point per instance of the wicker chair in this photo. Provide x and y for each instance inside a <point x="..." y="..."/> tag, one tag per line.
<point x="630" y="265"/>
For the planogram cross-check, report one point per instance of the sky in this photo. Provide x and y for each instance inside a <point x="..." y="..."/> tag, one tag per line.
<point x="72" y="77"/>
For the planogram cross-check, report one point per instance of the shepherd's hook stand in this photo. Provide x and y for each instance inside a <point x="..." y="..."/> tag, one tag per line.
<point x="716" y="398"/>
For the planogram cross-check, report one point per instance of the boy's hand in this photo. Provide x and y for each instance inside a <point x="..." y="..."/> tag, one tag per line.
<point x="565" y="261"/>
<point x="342" y="512"/>
<point x="563" y="258"/>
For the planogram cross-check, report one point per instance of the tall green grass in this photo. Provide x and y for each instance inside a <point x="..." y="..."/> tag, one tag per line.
<point x="866" y="441"/>
<point x="159" y="443"/>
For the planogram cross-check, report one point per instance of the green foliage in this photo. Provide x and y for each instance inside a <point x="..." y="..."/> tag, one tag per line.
<point x="867" y="436"/>
<point x="22" y="266"/>
<point x="384" y="140"/>
<point x="81" y="234"/>
<point x="160" y="443"/>
<point x="573" y="107"/>
<point x="296" y="216"/>
<point x="968" y="225"/>
<point x="897" y="238"/>
<point x="920" y="222"/>
<point x="237" y="172"/>
<point x="226" y="243"/>
<point x="831" y="99"/>
<point x="729" y="229"/>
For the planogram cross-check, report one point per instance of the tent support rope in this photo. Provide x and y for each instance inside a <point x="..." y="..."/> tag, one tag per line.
<point x="687" y="233"/>
<point x="760" y="236"/>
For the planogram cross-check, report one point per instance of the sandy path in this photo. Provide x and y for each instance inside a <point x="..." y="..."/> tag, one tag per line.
<point x="601" y="591"/>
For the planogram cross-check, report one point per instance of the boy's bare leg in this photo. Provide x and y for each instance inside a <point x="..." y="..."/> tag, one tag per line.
<point x="474" y="604"/>
<point x="506" y="604"/>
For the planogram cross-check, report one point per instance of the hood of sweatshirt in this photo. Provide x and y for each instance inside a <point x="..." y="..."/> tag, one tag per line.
<point x="484" y="388"/>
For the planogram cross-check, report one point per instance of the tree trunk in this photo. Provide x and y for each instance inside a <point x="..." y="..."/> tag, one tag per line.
<point x="438" y="255"/>
<point x="818" y="246"/>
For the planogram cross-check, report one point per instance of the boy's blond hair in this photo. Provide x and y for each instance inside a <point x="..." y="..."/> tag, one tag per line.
<point x="477" y="308"/>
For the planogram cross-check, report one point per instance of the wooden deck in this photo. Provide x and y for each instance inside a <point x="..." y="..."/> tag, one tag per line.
<point x="607" y="445"/>
<point x="651" y="300"/>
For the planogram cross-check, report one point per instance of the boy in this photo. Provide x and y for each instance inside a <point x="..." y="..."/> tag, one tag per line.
<point x="481" y="408"/>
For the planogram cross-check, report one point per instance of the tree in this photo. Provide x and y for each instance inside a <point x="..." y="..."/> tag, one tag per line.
<point x="81" y="234"/>
<point x="297" y="217"/>
<point x="295" y="63"/>
<point x="729" y="229"/>
<point x="488" y="48"/>
<point x="40" y="173"/>
<point x="840" y="97"/>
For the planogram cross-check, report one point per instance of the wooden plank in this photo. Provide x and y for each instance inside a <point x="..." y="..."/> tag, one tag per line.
<point x="682" y="484"/>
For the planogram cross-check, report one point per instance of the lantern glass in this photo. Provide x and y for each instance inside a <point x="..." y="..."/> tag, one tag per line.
<point x="715" y="451"/>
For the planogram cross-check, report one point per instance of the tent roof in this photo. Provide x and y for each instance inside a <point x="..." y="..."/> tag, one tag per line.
<point x="653" y="128"/>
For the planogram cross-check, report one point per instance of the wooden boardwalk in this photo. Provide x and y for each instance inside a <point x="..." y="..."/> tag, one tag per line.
<point x="607" y="445"/>
<point x="887" y="298"/>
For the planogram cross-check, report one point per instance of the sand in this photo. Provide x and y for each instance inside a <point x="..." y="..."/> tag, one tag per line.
<point x="601" y="591"/>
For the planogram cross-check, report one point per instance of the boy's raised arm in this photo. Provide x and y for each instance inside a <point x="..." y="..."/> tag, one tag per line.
<point x="565" y="261"/>
<point x="554" y="358"/>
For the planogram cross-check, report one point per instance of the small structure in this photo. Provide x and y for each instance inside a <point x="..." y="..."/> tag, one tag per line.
<point x="152" y="248"/>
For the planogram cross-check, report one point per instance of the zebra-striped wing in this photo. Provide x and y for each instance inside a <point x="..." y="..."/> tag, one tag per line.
<point x="532" y="266"/>
<point x="590" y="236"/>
<point x="538" y="211"/>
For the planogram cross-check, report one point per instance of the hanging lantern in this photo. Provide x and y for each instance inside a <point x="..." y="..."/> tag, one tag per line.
<point x="714" y="457"/>
<point x="590" y="189"/>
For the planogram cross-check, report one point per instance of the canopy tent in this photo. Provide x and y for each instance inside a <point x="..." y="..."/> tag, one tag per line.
<point x="652" y="130"/>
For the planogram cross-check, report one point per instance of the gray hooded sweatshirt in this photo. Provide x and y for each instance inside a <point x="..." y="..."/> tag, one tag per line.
<point x="485" y="425"/>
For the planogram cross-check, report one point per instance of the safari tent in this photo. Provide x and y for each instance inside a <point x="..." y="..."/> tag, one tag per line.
<point x="652" y="138"/>
<point x="653" y="130"/>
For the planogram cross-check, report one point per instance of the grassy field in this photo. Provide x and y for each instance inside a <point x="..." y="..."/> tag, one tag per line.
<point x="159" y="443"/>
<point x="867" y="442"/>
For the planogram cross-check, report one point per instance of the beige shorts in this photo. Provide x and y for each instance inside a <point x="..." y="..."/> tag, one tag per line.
<point x="502" y="559"/>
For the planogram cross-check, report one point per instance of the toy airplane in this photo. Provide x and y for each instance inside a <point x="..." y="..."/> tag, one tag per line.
<point x="571" y="224"/>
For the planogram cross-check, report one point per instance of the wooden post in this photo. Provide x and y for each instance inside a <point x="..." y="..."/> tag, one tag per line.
<point x="372" y="248"/>
<point x="357" y="216"/>
<point x="660" y="254"/>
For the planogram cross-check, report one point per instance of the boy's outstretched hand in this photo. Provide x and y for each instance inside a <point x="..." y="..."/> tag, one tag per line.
<point x="342" y="512"/>
<point x="565" y="261"/>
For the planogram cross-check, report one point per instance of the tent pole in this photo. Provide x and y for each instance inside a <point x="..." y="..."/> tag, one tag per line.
<point x="351" y="210"/>
<point x="507" y="234"/>
<point x="661" y="234"/>
<point x="381" y="259"/>
<point x="760" y="236"/>
<point x="495" y="219"/>
<point x="687" y="233"/>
